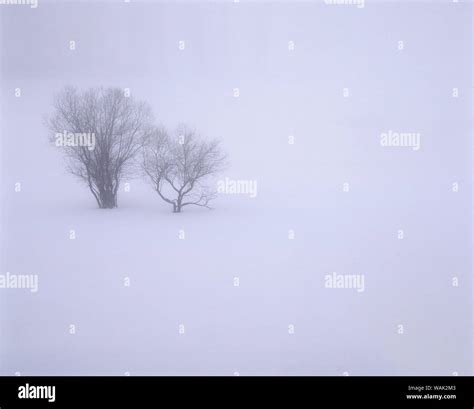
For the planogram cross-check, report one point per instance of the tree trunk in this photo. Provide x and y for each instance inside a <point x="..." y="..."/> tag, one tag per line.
<point x="178" y="204"/>
<point x="177" y="207"/>
<point x="108" y="199"/>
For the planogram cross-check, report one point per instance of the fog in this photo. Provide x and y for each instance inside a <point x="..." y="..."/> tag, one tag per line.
<point x="330" y="78"/>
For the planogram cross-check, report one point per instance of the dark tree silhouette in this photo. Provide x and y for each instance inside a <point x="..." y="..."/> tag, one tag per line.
<point x="119" y="125"/>
<point x="178" y="166"/>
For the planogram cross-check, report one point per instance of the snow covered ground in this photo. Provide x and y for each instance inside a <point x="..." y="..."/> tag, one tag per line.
<point x="229" y="328"/>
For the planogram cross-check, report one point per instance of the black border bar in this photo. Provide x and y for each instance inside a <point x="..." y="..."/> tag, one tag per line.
<point x="237" y="392"/>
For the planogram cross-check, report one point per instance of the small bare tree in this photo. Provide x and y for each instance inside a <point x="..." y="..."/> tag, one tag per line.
<point x="116" y="124"/>
<point x="178" y="166"/>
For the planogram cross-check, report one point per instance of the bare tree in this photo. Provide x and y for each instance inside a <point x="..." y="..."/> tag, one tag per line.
<point x="117" y="125"/>
<point x="179" y="166"/>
